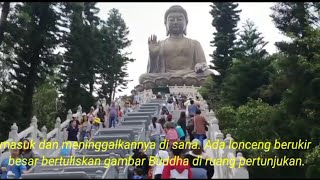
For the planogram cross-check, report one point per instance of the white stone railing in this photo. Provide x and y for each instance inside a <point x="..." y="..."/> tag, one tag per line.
<point x="224" y="172"/>
<point x="184" y="90"/>
<point x="32" y="133"/>
<point x="146" y="95"/>
<point x="214" y="134"/>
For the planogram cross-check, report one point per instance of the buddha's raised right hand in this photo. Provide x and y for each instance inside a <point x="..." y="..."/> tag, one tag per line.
<point x="154" y="45"/>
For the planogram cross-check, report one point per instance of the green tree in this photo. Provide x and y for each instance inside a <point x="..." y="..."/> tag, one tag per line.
<point x="249" y="70"/>
<point x="288" y="82"/>
<point x="208" y="92"/>
<point x="239" y="122"/>
<point x="251" y="42"/>
<point x="113" y="68"/>
<point x="4" y="72"/>
<point x="313" y="160"/>
<point x="45" y="105"/>
<point x="91" y="32"/>
<point x="301" y="65"/>
<point x="3" y="19"/>
<point x="80" y="59"/>
<point x="32" y="29"/>
<point x="301" y="69"/>
<point x="225" y="21"/>
<point x="10" y="112"/>
<point x="273" y="91"/>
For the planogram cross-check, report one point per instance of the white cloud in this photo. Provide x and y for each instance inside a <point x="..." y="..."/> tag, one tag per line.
<point x="144" y="19"/>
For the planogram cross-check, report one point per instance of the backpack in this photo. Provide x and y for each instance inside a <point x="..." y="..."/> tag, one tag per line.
<point x="180" y="131"/>
<point x="172" y="135"/>
<point x="120" y="114"/>
<point x="137" y="177"/>
<point x="192" y="109"/>
<point x="65" y="151"/>
<point x="113" y="112"/>
<point x="174" y="174"/>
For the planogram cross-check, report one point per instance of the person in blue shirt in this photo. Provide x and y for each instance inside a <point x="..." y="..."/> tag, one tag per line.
<point x="192" y="108"/>
<point x="26" y="152"/>
<point x="138" y="174"/>
<point x="16" y="169"/>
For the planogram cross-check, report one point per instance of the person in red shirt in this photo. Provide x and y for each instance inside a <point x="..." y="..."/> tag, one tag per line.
<point x="178" y="166"/>
<point x="119" y="115"/>
<point x="199" y="123"/>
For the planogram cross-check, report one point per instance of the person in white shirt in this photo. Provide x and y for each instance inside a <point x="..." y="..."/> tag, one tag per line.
<point x="197" y="101"/>
<point x="136" y="98"/>
<point x="170" y="103"/>
<point x="91" y="115"/>
<point x="155" y="130"/>
<point x="161" y="156"/>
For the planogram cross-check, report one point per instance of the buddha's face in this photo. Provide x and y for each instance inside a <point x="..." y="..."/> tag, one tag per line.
<point x="176" y="23"/>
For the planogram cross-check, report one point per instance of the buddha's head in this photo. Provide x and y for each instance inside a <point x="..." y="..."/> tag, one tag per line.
<point x="176" y="20"/>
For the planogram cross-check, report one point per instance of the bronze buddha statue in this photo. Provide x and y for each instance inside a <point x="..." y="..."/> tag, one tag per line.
<point x="177" y="60"/>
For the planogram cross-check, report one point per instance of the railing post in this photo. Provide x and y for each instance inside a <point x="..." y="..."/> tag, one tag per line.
<point x="219" y="136"/>
<point x="34" y="124"/>
<point x="205" y="106"/>
<point x="106" y="107"/>
<point x="218" y="152"/>
<point x="98" y="104"/>
<point x="228" y="140"/>
<point x="211" y="115"/>
<point x="44" y="138"/>
<point x="13" y="134"/>
<point x="99" y="174"/>
<point x="69" y="116"/>
<point x="34" y="121"/>
<point x="122" y="173"/>
<point x="228" y="150"/>
<point x="104" y="102"/>
<point x="240" y="172"/>
<point x="112" y="172"/>
<point x="79" y="112"/>
<point x="57" y="126"/>
<point x="214" y="124"/>
<point x="44" y="132"/>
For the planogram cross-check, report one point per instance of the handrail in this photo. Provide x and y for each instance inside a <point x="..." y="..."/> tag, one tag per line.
<point x="214" y="133"/>
<point x="34" y="133"/>
<point x="52" y="133"/>
<point x="26" y="132"/>
<point x="224" y="172"/>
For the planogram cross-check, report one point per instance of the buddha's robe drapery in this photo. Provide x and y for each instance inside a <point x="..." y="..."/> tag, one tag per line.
<point x="176" y="57"/>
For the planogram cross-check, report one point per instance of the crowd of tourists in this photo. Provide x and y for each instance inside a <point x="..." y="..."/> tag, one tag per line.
<point x="78" y="129"/>
<point x="189" y="126"/>
<point x="192" y="126"/>
<point x="9" y="171"/>
<point x="83" y="128"/>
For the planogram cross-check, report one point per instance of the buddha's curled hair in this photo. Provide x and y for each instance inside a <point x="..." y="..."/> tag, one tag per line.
<point x="176" y="9"/>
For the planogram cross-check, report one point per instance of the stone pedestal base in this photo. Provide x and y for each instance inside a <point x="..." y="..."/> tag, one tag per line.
<point x="173" y="81"/>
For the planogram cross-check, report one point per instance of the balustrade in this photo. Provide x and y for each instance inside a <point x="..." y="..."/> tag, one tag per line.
<point x="59" y="134"/>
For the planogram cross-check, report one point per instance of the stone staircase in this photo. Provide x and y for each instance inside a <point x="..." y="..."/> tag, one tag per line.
<point x="133" y="127"/>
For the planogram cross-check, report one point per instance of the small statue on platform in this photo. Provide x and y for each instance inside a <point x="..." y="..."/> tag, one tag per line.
<point x="176" y="60"/>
